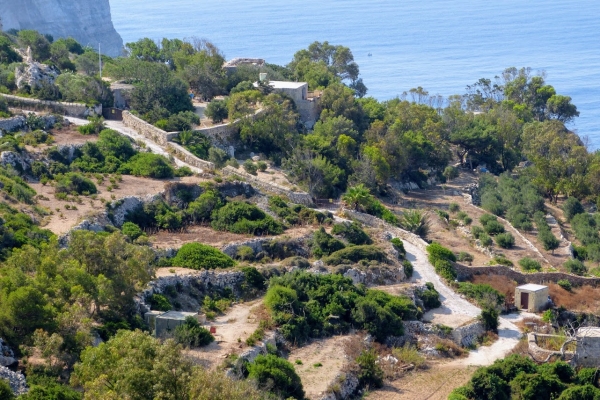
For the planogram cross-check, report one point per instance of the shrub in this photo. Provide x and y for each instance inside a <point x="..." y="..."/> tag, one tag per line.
<point x="408" y="269"/>
<point x="501" y="260"/>
<point x="262" y="166"/>
<point x="468" y="220"/>
<point x="430" y="296"/>
<point x="453" y="207"/>
<point x="217" y="111"/>
<point x="549" y="241"/>
<point x="529" y="264"/>
<point x="477" y="231"/>
<point x="352" y="232"/>
<point x="131" y="230"/>
<point x="159" y="302"/>
<point x="254" y="278"/>
<point x="241" y="217"/>
<point x="370" y="373"/>
<point x="276" y="374"/>
<point x="572" y="207"/>
<point x="192" y="334"/>
<point x="74" y="183"/>
<point x="148" y="165"/>
<point x="463" y="256"/>
<point x="323" y="244"/>
<point x="250" y="167"/>
<point x="398" y="246"/>
<point x="565" y="284"/>
<point x="505" y="240"/>
<point x="445" y="269"/>
<point x="575" y="267"/>
<point x="485" y="239"/>
<point x="355" y="254"/>
<point x="438" y="252"/>
<point x="493" y="228"/>
<point x="443" y="215"/>
<point x="482" y="293"/>
<point x="244" y="253"/>
<point x="217" y="156"/>
<point x="450" y="172"/>
<point x="5" y="390"/>
<point x="201" y="256"/>
<point x="489" y="318"/>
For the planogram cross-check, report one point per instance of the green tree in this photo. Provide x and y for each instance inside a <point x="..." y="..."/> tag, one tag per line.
<point x="217" y="111"/>
<point x="40" y="46"/>
<point x="277" y="375"/>
<point x="201" y="256"/>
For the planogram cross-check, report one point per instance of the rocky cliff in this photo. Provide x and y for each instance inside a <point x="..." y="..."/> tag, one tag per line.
<point x="88" y="21"/>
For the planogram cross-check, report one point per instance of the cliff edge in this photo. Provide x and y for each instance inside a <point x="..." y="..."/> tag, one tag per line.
<point x="87" y="21"/>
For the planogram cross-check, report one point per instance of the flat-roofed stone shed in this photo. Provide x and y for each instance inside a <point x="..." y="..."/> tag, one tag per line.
<point x="163" y="324"/>
<point x="587" y="352"/>
<point x="531" y="297"/>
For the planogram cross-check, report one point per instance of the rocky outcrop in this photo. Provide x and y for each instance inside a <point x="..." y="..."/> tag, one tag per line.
<point x="467" y="335"/>
<point x="344" y="386"/>
<point x="7" y="356"/>
<point x="16" y="380"/>
<point x="87" y="21"/>
<point x="32" y="74"/>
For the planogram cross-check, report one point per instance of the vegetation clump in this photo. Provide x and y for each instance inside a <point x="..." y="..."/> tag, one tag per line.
<point x="354" y="254"/>
<point x="201" y="256"/>
<point x="241" y="217"/>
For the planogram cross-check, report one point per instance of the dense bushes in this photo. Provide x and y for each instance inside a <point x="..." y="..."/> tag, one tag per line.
<point x="430" y="296"/>
<point x="398" y="246"/>
<point x="201" y="256"/>
<point x="572" y="207"/>
<point x="505" y="240"/>
<point x="575" y="267"/>
<point x="442" y="258"/>
<point x="192" y="334"/>
<point x="518" y="377"/>
<point x="482" y="293"/>
<point x="355" y="254"/>
<point x="74" y="184"/>
<point x="240" y="217"/>
<point x="276" y="375"/>
<point x="352" y="232"/>
<point x="529" y="264"/>
<point x="545" y="235"/>
<point x="148" y="165"/>
<point x="323" y="244"/>
<point x="307" y="305"/>
<point x="296" y="214"/>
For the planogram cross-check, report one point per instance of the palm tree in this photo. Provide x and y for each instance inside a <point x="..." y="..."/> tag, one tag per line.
<point x="415" y="221"/>
<point x="185" y="137"/>
<point x="357" y="198"/>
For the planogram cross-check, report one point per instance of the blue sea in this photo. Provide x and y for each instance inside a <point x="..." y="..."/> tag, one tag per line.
<point x="441" y="45"/>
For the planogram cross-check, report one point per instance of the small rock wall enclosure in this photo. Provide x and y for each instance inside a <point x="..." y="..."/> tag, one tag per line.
<point x="57" y="107"/>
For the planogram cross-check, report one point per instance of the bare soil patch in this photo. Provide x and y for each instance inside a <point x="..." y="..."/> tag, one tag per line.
<point x="64" y="219"/>
<point x="205" y="234"/>
<point x="434" y="383"/>
<point x="233" y="328"/>
<point x="329" y="353"/>
<point x="70" y="135"/>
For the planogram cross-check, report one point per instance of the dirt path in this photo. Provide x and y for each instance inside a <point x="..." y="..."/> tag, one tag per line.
<point x="329" y="353"/>
<point x="435" y="383"/>
<point x="238" y="323"/>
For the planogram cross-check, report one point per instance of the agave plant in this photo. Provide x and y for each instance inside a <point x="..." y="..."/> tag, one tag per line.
<point x="415" y="221"/>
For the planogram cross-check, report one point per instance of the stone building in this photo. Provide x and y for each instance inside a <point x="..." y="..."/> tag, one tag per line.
<point x="163" y="324"/>
<point x="587" y="352"/>
<point x="531" y="297"/>
<point x="307" y="103"/>
<point x="122" y="94"/>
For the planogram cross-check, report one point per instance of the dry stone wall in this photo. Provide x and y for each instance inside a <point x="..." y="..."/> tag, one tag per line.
<point x="467" y="335"/>
<point x="147" y="130"/>
<point x="71" y="109"/>
<point x="295" y="197"/>
<point x="185" y="156"/>
<point x="465" y="273"/>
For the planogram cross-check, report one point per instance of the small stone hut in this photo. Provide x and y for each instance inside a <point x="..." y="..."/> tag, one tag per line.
<point x="163" y="324"/>
<point x="587" y="352"/>
<point x="531" y="297"/>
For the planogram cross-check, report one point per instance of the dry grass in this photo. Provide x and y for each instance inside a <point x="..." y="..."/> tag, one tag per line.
<point x="582" y="298"/>
<point x="522" y="348"/>
<point x="499" y="282"/>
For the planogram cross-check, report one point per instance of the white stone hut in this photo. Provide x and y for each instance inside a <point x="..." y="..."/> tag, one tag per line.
<point x="531" y="297"/>
<point x="163" y="324"/>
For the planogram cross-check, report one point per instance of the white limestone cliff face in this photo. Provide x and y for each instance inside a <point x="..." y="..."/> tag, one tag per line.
<point x="87" y="21"/>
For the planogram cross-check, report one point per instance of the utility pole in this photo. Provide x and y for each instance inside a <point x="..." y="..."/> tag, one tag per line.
<point x="100" y="60"/>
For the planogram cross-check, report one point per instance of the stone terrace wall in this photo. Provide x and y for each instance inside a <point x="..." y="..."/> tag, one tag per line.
<point x="185" y="156"/>
<point x="71" y="109"/>
<point x="147" y="130"/>
<point x="12" y="124"/>
<point x="467" y="335"/>
<point x="295" y="197"/>
<point x="464" y="273"/>
<point x="205" y="278"/>
<point x="220" y="135"/>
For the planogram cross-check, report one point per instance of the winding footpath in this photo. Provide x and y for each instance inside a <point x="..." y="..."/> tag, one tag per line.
<point x="453" y="304"/>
